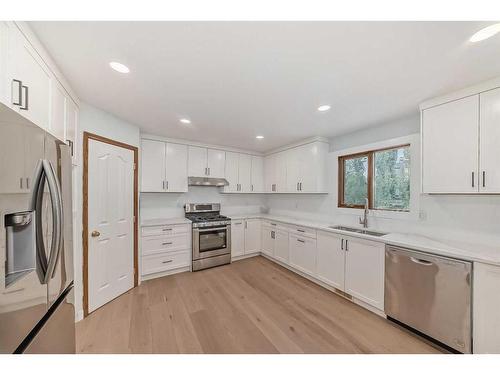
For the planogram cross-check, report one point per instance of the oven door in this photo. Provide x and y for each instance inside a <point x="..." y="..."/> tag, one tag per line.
<point x="209" y="242"/>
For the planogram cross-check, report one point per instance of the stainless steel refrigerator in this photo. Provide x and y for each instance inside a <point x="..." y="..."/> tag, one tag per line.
<point x="36" y="246"/>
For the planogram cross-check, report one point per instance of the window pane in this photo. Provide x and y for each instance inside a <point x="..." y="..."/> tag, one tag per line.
<point x="392" y="179"/>
<point x="355" y="181"/>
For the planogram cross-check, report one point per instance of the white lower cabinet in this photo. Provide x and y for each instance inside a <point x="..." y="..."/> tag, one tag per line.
<point x="165" y="248"/>
<point x="245" y="237"/>
<point x="237" y="238"/>
<point x="364" y="270"/>
<point x="267" y="240"/>
<point x="303" y="253"/>
<point x="486" y="304"/>
<point x="281" y="245"/>
<point x="331" y="259"/>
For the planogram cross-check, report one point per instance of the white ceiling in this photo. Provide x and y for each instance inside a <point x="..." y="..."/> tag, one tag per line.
<point x="235" y="80"/>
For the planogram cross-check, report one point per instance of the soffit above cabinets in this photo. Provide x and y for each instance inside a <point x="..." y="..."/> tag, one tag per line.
<point x="237" y="80"/>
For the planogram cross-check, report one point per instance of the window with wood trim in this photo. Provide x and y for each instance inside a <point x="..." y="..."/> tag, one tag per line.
<point x="382" y="176"/>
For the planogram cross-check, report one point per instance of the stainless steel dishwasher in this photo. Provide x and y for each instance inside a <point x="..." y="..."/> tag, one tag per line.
<point x="431" y="294"/>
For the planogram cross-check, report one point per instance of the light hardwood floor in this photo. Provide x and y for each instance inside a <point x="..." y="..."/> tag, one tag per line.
<point x="250" y="306"/>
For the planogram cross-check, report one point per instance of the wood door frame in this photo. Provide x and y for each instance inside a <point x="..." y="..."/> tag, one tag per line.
<point x="85" y="217"/>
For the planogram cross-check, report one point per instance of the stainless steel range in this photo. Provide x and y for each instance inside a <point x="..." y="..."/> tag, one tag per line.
<point x="211" y="235"/>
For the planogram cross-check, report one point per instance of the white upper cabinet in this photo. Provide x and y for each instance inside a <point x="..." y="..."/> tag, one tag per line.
<point x="232" y="172"/>
<point x="57" y="110"/>
<point x="489" y="141"/>
<point x="239" y="173"/>
<point x="71" y="128"/>
<point x="245" y="173"/>
<point x="152" y="166"/>
<point x="176" y="178"/>
<point x="450" y="152"/>
<point x="163" y="166"/>
<point x="203" y="162"/>
<point x="257" y="175"/>
<point x="216" y="163"/>
<point x="4" y="48"/>
<point x="364" y="271"/>
<point x="300" y="169"/>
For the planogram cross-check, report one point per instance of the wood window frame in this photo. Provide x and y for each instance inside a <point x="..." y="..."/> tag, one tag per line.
<point x="85" y="218"/>
<point x="371" y="168"/>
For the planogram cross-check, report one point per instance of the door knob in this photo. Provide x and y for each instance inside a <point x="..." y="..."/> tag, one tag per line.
<point x="96" y="233"/>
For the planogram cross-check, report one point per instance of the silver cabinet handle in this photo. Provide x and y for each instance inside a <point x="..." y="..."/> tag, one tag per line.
<point x="163" y="182"/>
<point x="27" y="183"/>
<point x="167" y="261"/>
<point x="342" y="244"/>
<point x="251" y="187"/>
<point x="166" y="229"/>
<point x="300" y="185"/>
<point x="238" y="223"/>
<point x="208" y="171"/>
<point x="21" y="182"/>
<point x="301" y="230"/>
<point x="246" y="224"/>
<point x="19" y="92"/>
<point x="299" y="240"/>
<point x="167" y="243"/>
<point x="26" y="103"/>
<point x="166" y="183"/>
<point x="273" y="235"/>
<point x="472" y="179"/>
<point x="484" y="179"/>
<point x="297" y="186"/>
<point x="346" y="247"/>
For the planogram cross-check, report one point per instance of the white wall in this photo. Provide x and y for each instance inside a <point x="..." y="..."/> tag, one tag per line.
<point x="98" y="122"/>
<point x="455" y="217"/>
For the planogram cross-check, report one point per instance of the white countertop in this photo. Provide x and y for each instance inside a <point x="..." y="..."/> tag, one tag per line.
<point x="466" y="251"/>
<point x="169" y="221"/>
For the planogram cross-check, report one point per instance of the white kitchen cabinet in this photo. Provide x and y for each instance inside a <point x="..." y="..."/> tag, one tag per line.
<point x="203" y="162"/>
<point x="486" y="304"/>
<point x="245" y="173"/>
<point x="268" y="240"/>
<point x="4" y="48"/>
<point x="275" y="173"/>
<point x="152" y="165"/>
<point x="364" y="270"/>
<point x="269" y="173"/>
<point x="450" y="134"/>
<point x="164" y="166"/>
<point x="197" y="161"/>
<point x="257" y="174"/>
<point x="237" y="237"/>
<point x="281" y="245"/>
<point x="303" y="253"/>
<point x="238" y="172"/>
<point x="28" y="79"/>
<point x="176" y="168"/>
<point x="489" y="139"/>
<point x="331" y="259"/>
<point x="216" y="162"/>
<point x="253" y="241"/>
<point x="313" y="167"/>
<point x="293" y="168"/>
<point x="57" y="124"/>
<point x="71" y="126"/>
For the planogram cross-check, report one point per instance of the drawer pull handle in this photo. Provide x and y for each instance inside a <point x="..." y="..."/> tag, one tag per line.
<point x="273" y="224"/>
<point x="167" y="243"/>
<point x="301" y="230"/>
<point x="166" y="229"/>
<point x="167" y="261"/>
<point x="301" y="240"/>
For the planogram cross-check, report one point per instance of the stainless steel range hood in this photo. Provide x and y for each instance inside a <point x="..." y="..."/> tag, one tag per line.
<point x="207" y="181"/>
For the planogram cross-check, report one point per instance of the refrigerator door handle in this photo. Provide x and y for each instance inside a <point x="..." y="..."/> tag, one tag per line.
<point x="57" y="218"/>
<point x="36" y="207"/>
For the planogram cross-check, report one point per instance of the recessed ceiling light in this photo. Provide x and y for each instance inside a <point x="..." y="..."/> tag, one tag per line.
<point x="485" y="33"/>
<point x="185" y="121"/>
<point x="119" y="67"/>
<point x="259" y="137"/>
<point x="324" y="108"/>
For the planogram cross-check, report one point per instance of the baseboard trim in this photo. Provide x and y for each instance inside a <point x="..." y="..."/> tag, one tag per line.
<point x="245" y="256"/>
<point x="165" y="273"/>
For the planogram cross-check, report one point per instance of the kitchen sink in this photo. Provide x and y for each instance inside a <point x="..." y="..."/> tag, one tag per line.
<point x="358" y="230"/>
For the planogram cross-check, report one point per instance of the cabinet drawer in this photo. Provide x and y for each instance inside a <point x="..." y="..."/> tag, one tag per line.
<point x="165" y="230"/>
<point x="275" y="225"/>
<point x="303" y="231"/>
<point x="161" y="244"/>
<point x="303" y="253"/>
<point x="165" y="262"/>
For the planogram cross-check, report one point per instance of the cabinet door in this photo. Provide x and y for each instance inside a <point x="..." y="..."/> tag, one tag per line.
<point x="331" y="259"/>
<point x="176" y="167"/>
<point x="293" y="162"/>
<point x="57" y="110"/>
<point x="313" y="168"/>
<point x="197" y="161"/>
<point x="152" y="166"/>
<point x="281" y="246"/>
<point x="245" y="172"/>
<point x="4" y="55"/>
<point x="269" y="173"/>
<point x="72" y="128"/>
<point x="11" y="158"/>
<point x="237" y="238"/>
<point x="364" y="271"/>
<point x="450" y="147"/>
<point x="486" y="304"/>
<point x="489" y="139"/>
<point x="281" y="172"/>
<point x="26" y="66"/>
<point x="232" y="160"/>
<point x="268" y="235"/>
<point x="253" y="240"/>
<point x="257" y="180"/>
<point x="303" y="253"/>
<point x="216" y="163"/>
<point x="34" y="150"/>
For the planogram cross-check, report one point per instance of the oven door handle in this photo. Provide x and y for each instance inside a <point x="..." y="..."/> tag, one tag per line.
<point x="210" y="229"/>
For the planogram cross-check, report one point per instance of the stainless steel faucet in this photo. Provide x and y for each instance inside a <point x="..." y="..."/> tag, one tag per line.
<point x="364" y="220"/>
